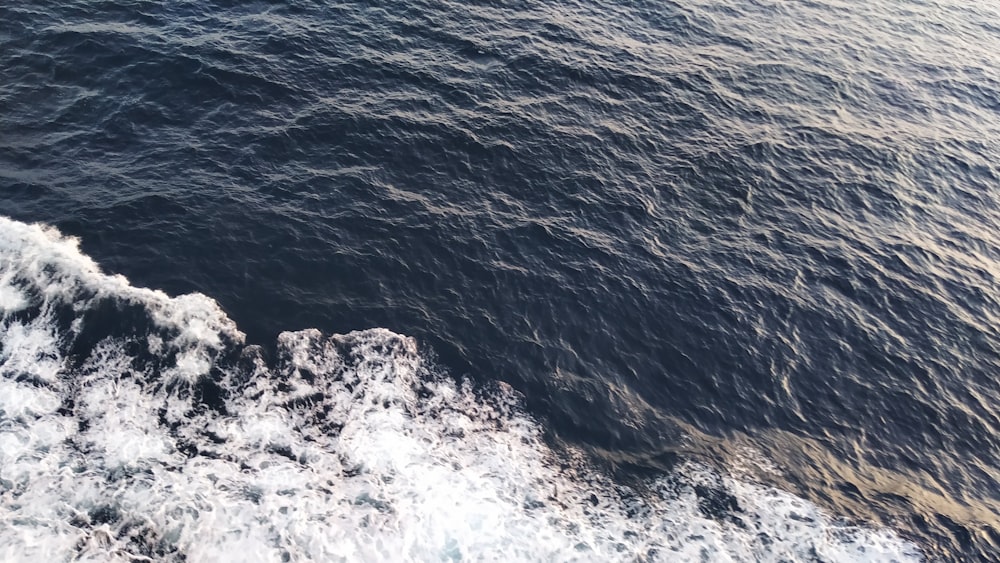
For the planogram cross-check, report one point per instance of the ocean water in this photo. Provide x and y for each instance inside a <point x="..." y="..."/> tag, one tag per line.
<point x="444" y="281"/>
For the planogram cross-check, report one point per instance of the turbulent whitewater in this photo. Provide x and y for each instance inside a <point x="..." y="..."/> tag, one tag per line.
<point x="137" y="425"/>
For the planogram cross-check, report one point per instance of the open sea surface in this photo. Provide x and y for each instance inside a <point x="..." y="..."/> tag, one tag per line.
<point x="706" y="280"/>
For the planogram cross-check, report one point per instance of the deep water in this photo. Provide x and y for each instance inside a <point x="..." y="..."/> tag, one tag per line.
<point x="713" y="260"/>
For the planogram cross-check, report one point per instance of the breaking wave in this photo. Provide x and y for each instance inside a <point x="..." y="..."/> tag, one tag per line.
<point x="136" y="426"/>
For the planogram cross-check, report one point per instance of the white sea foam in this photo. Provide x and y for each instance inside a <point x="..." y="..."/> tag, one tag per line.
<point x="346" y="448"/>
<point x="11" y="300"/>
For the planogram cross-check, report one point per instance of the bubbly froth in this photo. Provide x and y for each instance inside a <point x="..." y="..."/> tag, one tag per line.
<point x="136" y="425"/>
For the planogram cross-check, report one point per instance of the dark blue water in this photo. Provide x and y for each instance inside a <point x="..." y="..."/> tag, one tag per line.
<point x="680" y="232"/>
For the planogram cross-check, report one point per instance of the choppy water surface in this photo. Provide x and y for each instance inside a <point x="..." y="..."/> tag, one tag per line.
<point x="677" y="280"/>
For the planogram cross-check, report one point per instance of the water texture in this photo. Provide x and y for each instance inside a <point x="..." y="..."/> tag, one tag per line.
<point x="750" y="244"/>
